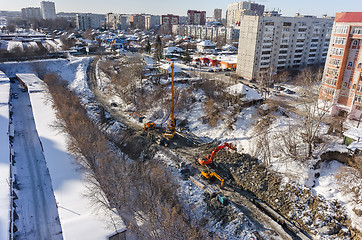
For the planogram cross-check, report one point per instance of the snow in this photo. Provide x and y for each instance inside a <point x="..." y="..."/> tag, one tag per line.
<point x="4" y="157"/>
<point x="31" y="80"/>
<point x="353" y="133"/>
<point x="248" y="93"/>
<point x="14" y="44"/>
<point x="77" y="217"/>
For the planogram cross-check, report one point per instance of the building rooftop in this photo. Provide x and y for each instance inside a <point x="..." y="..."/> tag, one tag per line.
<point x="349" y="17"/>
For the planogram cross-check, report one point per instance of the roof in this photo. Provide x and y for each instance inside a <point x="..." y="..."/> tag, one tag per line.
<point x="167" y="67"/>
<point x="354" y="146"/>
<point x="348" y="17"/>
<point x="31" y="80"/>
<point x="353" y="133"/>
<point x="206" y="43"/>
<point x="250" y="94"/>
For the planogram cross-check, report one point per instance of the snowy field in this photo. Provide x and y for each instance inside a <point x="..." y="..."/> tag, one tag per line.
<point x="4" y="157"/>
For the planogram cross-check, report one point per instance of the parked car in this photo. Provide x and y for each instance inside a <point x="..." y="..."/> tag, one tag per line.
<point x="288" y="91"/>
<point x="210" y="70"/>
<point x="252" y="80"/>
<point x="15" y="95"/>
<point x="227" y="74"/>
<point x="113" y="104"/>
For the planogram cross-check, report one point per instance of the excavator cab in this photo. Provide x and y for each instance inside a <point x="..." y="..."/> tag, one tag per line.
<point x="149" y="126"/>
<point x="209" y="175"/>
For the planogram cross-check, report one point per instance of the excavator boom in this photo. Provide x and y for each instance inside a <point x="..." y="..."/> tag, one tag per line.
<point x="208" y="160"/>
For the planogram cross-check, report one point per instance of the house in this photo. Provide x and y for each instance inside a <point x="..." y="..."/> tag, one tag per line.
<point x="170" y="52"/>
<point x="248" y="95"/>
<point x="206" y="47"/>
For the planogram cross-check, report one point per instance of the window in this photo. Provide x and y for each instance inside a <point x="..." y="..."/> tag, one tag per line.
<point x="330" y="81"/>
<point x="359" y="88"/>
<point x="337" y="51"/>
<point x="328" y="91"/>
<point x="355" y="43"/>
<point x="358" y="98"/>
<point x="341" y="29"/>
<point x="287" y="24"/>
<point x="269" y="23"/>
<point x="335" y="62"/>
<point x="356" y="30"/>
<point x="339" y="40"/>
<point x="332" y="72"/>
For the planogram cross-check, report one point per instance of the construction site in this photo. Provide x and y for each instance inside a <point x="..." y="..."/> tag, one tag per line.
<point x="200" y="157"/>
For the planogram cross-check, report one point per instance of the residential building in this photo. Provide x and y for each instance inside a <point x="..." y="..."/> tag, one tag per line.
<point x="168" y="21"/>
<point x="274" y="42"/>
<point x="342" y="77"/>
<point x="152" y="21"/>
<point x="213" y="33"/>
<point x="86" y="21"/>
<point x="195" y="17"/>
<point x="138" y="21"/>
<point x="217" y="14"/>
<point x="182" y="20"/>
<point x="31" y="13"/>
<point x="48" y="10"/>
<point x="236" y="10"/>
<point x="206" y="47"/>
<point x="117" y="21"/>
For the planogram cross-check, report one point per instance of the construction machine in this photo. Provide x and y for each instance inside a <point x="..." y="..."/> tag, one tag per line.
<point x="171" y="126"/>
<point x="209" y="175"/>
<point x="149" y="126"/>
<point x="207" y="160"/>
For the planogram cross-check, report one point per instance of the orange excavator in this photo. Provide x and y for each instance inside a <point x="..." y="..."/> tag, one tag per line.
<point x="149" y="126"/>
<point x="207" y="160"/>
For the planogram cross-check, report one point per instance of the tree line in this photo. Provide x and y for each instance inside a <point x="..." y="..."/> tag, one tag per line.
<point x="139" y="191"/>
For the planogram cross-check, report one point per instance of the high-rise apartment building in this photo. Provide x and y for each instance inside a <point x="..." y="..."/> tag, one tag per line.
<point x="196" y="17"/>
<point x="217" y="14"/>
<point x="279" y="43"/>
<point x="342" y="77"/>
<point x="48" y="10"/>
<point x="167" y="21"/>
<point x="236" y="10"/>
<point x="86" y="21"/>
<point x="31" y="13"/>
<point x="152" y="21"/>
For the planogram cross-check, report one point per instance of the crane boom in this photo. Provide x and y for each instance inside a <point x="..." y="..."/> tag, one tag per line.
<point x="171" y="126"/>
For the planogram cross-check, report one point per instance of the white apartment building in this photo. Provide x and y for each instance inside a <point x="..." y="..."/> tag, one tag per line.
<point x="31" y="13"/>
<point x="236" y="10"/>
<point x="48" y="10"/>
<point x="86" y="21"/>
<point x="213" y="33"/>
<point x="279" y="43"/>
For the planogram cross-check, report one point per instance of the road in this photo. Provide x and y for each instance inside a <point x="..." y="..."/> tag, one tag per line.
<point x="36" y="205"/>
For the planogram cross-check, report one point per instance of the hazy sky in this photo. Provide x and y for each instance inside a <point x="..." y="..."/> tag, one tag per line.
<point x="180" y="7"/>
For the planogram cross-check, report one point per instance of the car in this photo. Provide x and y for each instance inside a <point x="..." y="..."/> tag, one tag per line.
<point x="227" y="74"/>
<point x="15" y="95"/>
<point x="23" y="90"/>
<point x="113" y="104"/>
<point x="288" y="91"/>
<point x="252" y="81"/>
<point x="210" y="70"/>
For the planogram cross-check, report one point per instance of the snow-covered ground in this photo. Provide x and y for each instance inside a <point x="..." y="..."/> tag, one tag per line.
<point x="4" y="157"/>
<point x="79" y="220"/>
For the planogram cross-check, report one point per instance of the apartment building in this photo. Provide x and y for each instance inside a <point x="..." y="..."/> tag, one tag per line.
<point x="213" y="33"/>
<point x="86" y="21"/>
<point x="342" y="77"/>
<point x="117" y="21"/>
<point x="152" y="21"/>
<point x="236" y="10"/>
<point x="275" y="42"/>
<point x="196" y="17"/>
<point x="31" y="13"/>
<point x="167" y="21"/>
<point x="217" y="15"/>
<point x="48" y="10"/>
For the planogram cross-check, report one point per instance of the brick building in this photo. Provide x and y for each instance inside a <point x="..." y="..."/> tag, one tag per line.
<point x="196" y="17"/>
<point x="342" y="79"/>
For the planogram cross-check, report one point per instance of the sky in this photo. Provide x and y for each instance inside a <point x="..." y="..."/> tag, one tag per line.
<point x="180" y="7"/>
